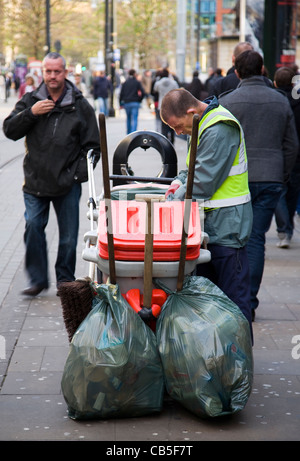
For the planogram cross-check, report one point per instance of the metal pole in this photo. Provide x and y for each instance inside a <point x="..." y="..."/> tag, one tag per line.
<point x="242" y="20"/>
<point x="112" y="64"/>
<point x="181" y="39"/>
<point x="198" y="39"/>
<point x="48" y="42"/>
<point x="106" y="37"/>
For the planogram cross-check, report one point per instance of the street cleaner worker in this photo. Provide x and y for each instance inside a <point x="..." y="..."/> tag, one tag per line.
<point x="221" y="184"/>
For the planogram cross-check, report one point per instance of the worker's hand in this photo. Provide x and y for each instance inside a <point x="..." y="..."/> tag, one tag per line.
<point x="173" y="187"/>
<point x="42" y="107"/>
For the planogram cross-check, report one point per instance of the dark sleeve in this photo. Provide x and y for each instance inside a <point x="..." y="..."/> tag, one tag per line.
<point x="21" y="120"/>
<point x="89" y="135"/>
<point x="290" y="145"/>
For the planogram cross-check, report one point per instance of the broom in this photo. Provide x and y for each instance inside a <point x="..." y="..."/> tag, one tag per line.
<point x="77" y="297"/>
<point x="76" y="300"/>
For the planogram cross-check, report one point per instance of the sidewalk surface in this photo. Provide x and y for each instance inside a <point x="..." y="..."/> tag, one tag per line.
<point x="34" y="342"/>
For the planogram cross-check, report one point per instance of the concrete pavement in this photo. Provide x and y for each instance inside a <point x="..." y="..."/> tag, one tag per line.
<point x="34" y="342"/>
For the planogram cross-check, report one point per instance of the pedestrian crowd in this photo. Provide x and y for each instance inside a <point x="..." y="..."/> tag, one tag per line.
<point x="247" y="169"/>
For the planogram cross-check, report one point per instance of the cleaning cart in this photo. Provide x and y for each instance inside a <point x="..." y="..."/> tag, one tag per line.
<point x="152" y="326"/>
<point x="118" y="234"/>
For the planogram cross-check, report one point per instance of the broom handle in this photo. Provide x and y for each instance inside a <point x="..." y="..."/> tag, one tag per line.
<point x="148" y="254"/>
<point x="188" y="201"/>
<point x="106" y="186"/>
<point x="147" y="300"/>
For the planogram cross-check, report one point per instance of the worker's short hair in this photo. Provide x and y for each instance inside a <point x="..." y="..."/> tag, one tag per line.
<point x="177" y="102"/>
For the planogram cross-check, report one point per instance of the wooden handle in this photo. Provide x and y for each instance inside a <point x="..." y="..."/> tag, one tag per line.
<point x="148" y="254"/>
<point x="188" y="201"/>
<point x="106" y="186"/>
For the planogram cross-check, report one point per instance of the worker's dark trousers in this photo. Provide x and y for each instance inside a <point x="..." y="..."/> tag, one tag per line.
<point x="229" y="270"/>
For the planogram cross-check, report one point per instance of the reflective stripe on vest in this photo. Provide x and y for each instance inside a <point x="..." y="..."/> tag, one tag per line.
<point x="234" y="190"/>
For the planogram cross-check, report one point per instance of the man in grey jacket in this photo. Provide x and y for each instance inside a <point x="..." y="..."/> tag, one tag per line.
<point x="272" y="144"/>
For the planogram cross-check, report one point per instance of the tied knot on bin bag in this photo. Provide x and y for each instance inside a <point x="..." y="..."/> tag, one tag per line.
<point x="113" y="368"/>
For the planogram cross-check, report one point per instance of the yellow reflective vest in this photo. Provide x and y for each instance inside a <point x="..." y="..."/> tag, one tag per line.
<point x="235" y="189"/>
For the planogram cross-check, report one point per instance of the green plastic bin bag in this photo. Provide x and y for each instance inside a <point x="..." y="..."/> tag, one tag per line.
<point x="113" y="369"/>
<point x="205" y="346"/>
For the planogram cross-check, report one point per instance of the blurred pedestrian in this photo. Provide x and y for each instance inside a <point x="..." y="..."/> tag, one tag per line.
<point x="231" y="80"/>
<point x="17" y="83"/>
<point x="209" y="78"/>
<point x="27" y="86"/>
<point x="101" y="89"/>
<point x="147" y="84"/>
<point x="287" y="204"/>
<point x="155" y="100"/>
<point x="131" y="95"/>
<point x="165" y="84"/>
<point x="8" y="80"/>
<point x="217" y="75"/>
<point x="80" y="85"/>
<point x="60" y="127"/>
<point x="196" y="87"/>
<point x="272" y="145"/>
<point x="3" y="94"/>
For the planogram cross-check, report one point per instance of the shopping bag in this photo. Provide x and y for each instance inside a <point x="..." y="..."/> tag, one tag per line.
<point x="205" y="346"/>
<point x="113" y="368"/>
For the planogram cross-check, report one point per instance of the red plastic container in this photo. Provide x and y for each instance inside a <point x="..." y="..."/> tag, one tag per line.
<point x="129" y="225"/>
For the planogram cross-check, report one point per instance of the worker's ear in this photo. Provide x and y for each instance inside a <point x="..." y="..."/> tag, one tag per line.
<point x="192" y="110"/>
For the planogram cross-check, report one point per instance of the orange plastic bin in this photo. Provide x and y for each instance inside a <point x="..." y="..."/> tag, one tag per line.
<point x="129" y="226"/>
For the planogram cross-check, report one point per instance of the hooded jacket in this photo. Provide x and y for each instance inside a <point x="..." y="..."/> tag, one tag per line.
<point x="56" y="143"/>
<point x="163" y="86"/>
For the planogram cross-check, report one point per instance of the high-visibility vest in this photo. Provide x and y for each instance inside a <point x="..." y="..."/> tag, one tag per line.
<point x="235" y="189"/>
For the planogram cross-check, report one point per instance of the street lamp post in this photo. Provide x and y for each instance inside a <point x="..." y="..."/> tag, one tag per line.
<point x="48" y="41"/>
<point x="109" y="49"/>
<point x="198" y="67"/>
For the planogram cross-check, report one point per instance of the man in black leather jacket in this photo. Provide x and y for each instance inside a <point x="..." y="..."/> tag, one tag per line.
<point x="60" y="127"/>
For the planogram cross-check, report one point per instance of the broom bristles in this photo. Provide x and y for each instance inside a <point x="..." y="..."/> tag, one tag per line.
<point x="76" y="300"/>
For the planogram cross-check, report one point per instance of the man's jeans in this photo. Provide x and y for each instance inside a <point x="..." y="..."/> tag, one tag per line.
<point x="287" y="204"/>
<point x="264" y="196"/>
<point x="132" y="112"/>
<point x="36" y="215"/>
<point x="103" y="106"/>
<point x="283" y="219"/>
